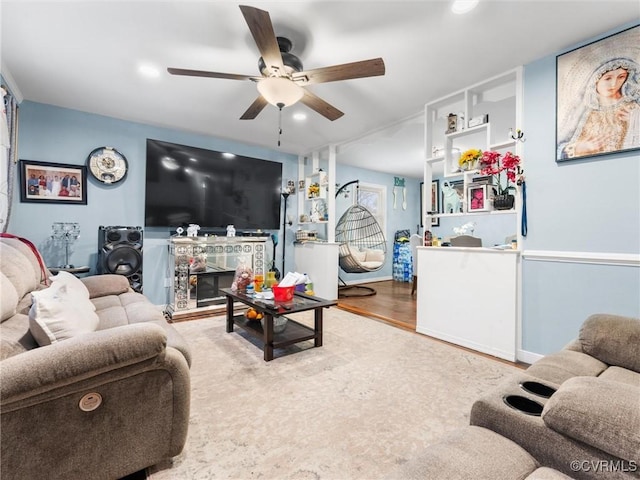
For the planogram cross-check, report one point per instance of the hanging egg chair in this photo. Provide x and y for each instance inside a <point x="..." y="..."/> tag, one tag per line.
<point x="362" y="246"/>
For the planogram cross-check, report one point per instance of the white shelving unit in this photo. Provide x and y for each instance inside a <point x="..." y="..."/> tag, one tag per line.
<point x="315" y="207"/>
<point x="500" y="98"/>
<point x="477" y="323"/>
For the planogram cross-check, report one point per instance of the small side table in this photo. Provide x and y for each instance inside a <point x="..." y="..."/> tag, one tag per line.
<point x="74" y="270"/>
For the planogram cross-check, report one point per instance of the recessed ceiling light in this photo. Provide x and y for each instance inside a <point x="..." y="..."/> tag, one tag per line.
<point x="299" y="116"/>
<point x="149" y="71"/>
<point x="463" y="6"/>
<point x="228" y="155"/>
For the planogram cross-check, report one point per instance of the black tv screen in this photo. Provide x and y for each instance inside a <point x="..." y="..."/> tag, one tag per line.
<point x="211" y="189"/>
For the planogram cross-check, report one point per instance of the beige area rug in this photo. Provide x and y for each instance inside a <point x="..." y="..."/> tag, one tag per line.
<point x="371" y="398"/>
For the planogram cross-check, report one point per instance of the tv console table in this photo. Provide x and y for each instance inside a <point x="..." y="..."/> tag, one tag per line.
<point x="196" y="293"/>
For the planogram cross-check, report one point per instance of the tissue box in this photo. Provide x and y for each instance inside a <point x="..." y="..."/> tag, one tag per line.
<point x="282" y="294"/>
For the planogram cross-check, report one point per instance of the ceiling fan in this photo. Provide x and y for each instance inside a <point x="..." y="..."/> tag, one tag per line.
<point x="283" y="79"/>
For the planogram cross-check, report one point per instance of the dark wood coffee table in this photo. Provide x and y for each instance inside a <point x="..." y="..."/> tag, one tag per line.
<point x="293" y="333"/>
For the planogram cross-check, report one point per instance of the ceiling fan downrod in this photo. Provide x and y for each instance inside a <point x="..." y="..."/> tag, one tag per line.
<point x="280" y="107"/>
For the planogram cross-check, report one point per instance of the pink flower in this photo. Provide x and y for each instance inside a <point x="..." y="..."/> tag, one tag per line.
<point x="510" y="161"/>
<point x="494" y="164"/>
<point x="490" y="158"/>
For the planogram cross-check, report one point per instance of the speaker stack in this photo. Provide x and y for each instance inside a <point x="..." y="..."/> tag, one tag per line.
<point x="120" y="252"/>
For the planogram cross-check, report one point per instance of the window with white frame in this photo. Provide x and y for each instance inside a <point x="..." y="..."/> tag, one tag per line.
<point x="374" y="198"/>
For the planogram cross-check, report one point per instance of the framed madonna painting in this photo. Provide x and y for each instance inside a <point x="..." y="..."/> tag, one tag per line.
<point x="598" y="97"/>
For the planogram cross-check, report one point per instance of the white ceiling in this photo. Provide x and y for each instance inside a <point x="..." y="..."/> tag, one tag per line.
<point x="84" y="55"/>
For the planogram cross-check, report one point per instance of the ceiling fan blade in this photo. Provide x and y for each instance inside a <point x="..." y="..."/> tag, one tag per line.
<point x="323" y="108"/>
<point x="261" y="28"/>
<point x="256" y="107"/>
<point x="200" y="73"/>
<point x="346" y="71"/>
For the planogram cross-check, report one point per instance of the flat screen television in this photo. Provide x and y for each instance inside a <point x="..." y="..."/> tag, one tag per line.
<point x="212" y="189"/>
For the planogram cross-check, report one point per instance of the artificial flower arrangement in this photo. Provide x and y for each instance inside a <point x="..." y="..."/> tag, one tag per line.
<point x="466" y="229"/>
<point x="314" y="190"/>
<point x="494" y="163"/>
<point x="469" y="158"/>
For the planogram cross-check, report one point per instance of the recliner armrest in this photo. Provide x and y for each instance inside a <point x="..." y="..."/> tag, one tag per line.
<point x="612" y="339"/>
<point x="76" y="359"/>
<point x="108" y="284"/>
<point x="600" y="413"/>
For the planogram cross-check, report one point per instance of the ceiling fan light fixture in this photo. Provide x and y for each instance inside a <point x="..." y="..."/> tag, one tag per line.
<point x="463" y="6"/>
<point x="279" y="90"/>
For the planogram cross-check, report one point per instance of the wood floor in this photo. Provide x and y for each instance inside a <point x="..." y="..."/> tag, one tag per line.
<point x="392" y="303"/>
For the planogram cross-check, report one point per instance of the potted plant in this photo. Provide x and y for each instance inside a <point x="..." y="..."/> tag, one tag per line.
<point x="494" y="163"/>
<point x="469" y="158"/>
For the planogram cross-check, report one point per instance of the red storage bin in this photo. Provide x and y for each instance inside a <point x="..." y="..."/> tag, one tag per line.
<point x="282" y="294"/>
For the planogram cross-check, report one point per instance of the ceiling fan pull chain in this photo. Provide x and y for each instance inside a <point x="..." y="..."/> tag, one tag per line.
<point x="280" y="105"/>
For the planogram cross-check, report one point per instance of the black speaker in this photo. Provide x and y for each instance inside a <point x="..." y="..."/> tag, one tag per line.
<point x="120" y="252"/>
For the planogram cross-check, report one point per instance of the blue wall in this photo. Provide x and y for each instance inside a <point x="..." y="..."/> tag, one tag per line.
<point x="53" y="134"/>
<point x="591" y="206"/>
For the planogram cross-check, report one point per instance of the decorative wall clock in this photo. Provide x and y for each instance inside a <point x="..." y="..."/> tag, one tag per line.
<point x="107" y="165"/>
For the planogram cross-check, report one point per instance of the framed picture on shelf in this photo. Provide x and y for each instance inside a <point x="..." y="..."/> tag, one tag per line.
<point x="452" y="123"/>
<point x="435" y="202"/>
<point x="45" y="182"/>
<point x="477" y="199"/>
<point x="597" y="101"/>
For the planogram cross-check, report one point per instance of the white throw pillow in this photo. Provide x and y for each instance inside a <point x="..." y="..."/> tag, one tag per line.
<point x="359" y="255"/>
<point x="374" y="255"/>
<point x="57" y="313"/>
<point x="75" y="287"/>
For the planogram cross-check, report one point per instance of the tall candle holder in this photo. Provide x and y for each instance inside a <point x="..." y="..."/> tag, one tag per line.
<point x="68" y="233"/>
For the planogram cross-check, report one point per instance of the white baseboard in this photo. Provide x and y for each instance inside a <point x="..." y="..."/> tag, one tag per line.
<point x="528" y="357"/>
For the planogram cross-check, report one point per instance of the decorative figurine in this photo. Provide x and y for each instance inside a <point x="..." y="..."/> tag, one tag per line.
<point x="192" y="230"/>
<point x="451" y="199"/>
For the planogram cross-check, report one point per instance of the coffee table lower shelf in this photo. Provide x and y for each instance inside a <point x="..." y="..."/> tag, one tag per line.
<point x="293" y="333"/>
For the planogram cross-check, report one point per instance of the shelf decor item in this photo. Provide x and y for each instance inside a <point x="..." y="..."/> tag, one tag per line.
<point x="452" y="123"/>
<point x="477" y="198"/>
<point x="469" y="159"/>
<point x="503" y="202"/>
<point x="494" y="164"/>
<point x="452" y="193"/>
<point x="314" y="190"/>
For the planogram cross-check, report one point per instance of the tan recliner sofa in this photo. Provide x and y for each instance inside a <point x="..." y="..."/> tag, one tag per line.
<point x="109" y="400"/>
<point x="587" y="422"/>
<point x="574" y="414"/>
